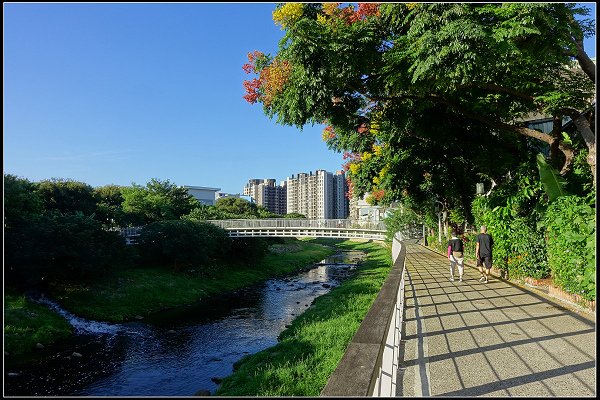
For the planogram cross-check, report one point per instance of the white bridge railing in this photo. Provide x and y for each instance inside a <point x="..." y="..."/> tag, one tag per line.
<point x="298" y="223"/>
<point x="287" y="227"/>
<point x="339" y="228"/>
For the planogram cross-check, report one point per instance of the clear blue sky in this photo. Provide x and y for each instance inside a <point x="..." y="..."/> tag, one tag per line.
<point x="120" y="93"/>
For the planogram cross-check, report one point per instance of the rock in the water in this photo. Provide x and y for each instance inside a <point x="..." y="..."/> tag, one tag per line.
<point x="39" y="346"/>
<point x="76" y="354"/>
<point x="326" y="285"/>
<point x="171" y="331"/>
<point x="216" y="380"/>
<point x="202" y="392"/>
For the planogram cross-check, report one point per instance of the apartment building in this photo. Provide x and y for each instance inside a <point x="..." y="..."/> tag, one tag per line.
<point x="318" y="195"/>
<point x="266" y="193"/>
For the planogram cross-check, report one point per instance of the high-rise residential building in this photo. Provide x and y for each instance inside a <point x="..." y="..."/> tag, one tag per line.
<point x="267" y="194"/>
<point x="318" y="195"/>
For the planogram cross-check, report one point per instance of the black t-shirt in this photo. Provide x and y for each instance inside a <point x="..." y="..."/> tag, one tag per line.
<point x="485" y="245"/>
<point x="456" y="244"/>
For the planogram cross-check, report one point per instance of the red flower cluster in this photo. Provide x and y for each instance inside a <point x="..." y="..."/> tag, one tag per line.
<point x="251" y="64"/>
<point x="366" y="10"/>
<point x="363" y="128"/>
<point x="378" y="194"/>
<point x="329" y="132"/>
<point x="252" y="87"/>
<point x="348" y="15"/>
<point x="350" y="192"/>
<point x="351" y="156"/>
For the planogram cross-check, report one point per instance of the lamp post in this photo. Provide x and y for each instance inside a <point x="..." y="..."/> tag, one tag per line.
<point x="439" y="210"/>
<point x="479" y="188"/>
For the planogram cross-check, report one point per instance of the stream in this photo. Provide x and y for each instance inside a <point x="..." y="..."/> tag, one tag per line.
<point x="178" y="352"/>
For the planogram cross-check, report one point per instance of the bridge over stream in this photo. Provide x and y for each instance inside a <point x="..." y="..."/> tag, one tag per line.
<point x="287" y="227"/>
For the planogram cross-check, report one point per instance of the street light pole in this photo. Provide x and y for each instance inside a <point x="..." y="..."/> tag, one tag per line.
<point x="439" y="214"/>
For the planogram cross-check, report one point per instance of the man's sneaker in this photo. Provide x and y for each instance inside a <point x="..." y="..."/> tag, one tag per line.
<point x="460" y="279"/>
<point x="486" y="281"/>
<point x="482" y="279"/>
<point x="451" y="279"/>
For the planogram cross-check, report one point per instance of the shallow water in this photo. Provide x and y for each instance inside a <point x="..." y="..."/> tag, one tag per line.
<point x="176" y="352"/>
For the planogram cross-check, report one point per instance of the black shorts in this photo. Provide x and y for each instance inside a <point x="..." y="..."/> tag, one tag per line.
<point x="487" y="261"/>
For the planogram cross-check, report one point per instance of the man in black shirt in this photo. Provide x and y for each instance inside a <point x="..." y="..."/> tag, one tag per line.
<point x="483" y="252"/>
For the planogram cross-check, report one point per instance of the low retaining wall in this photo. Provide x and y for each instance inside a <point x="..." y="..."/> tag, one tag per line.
<point x="370" y="364"/>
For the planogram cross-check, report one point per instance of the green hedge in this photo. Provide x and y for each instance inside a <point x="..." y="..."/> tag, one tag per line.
<point x="571" y="240"/>
<point x="519" y="247"/>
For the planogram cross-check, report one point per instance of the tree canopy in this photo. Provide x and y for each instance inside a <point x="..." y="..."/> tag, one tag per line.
<point x="158" y="200"/>
<point x="425" y="99"/>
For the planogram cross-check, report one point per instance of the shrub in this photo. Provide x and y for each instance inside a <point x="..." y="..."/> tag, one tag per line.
<point x="57" y="247"/>
<point x="519" y="248"/>
<point x="182" y="243"/>
<point x="570" y="234"/>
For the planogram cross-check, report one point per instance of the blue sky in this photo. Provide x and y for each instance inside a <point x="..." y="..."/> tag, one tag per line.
<point x="117" y="93"/>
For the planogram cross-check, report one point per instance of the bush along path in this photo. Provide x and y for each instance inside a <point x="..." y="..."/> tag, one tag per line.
<point x="310" y="349"/>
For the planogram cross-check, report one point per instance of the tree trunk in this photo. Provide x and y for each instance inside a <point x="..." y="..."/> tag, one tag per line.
<point x="585" y="130"/>
<point x="586" y="63"/>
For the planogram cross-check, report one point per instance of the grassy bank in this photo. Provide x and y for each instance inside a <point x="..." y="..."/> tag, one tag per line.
<point x="27" y="323"/>
<point x="129" y="293"/>
<point x="309" y="351"/>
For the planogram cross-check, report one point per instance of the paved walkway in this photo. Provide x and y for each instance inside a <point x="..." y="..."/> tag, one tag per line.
<point x="497" y="339"/>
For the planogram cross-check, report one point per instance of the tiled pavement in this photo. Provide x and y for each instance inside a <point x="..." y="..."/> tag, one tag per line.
<point x="470" y="339"/>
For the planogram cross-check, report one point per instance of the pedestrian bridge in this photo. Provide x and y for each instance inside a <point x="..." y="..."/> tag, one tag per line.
<point x="287" y="227"/>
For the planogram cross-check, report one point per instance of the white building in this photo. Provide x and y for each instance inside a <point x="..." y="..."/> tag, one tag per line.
<point x="205" y="195"/>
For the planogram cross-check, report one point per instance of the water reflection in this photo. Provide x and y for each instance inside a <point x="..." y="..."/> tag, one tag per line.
<point x="175" y="352"/>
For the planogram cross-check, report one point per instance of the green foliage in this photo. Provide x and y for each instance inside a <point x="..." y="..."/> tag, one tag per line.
<point x="60" y="247"/>
<point x="571" y="241"/>
<point x="27" y="323"/>
<point x="183" y="244"/>
<point x="418" y="96"/>
<point x="554" y="184"/>
<point x="204" y="212"/>
<point x="157" y="201"/>
<point x="248" y="250"/>
<point x="21" y="201"/>
<point x="401" y="220"/>
<point x="510" y="214"/>
<point x="109" y="208"/>
<point x="128" y="292"/>
<point x="236" y="206"/>
<point x="67" y="196"/>
<point x="229" y="208"/>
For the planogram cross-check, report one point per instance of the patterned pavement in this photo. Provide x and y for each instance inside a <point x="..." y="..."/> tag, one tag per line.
<point x="470" y="339"/>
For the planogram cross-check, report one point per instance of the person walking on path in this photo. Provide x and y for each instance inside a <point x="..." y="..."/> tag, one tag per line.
<point x="483" y="252"/>
<point x="455" y="254"/>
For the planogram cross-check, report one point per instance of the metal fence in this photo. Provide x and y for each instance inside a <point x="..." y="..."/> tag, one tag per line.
<point x="299" y="223"/>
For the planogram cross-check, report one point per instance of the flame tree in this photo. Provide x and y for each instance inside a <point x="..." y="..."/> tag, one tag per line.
<point x="425" y="99"/>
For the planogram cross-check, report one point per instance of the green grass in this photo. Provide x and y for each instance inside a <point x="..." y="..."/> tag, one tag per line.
<point x="310" y="349"/>
<point x="127" y="293"/>
<point x="27" y="323"/>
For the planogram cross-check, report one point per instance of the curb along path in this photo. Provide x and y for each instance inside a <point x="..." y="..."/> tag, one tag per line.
<point x="496" y="339"/>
